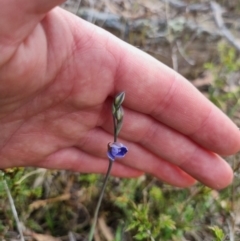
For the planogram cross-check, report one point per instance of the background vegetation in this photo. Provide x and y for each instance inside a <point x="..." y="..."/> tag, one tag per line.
<point x="59" y="205"/>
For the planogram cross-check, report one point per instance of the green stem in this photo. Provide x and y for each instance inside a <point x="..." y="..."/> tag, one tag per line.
<point x="115" y="129"/>
<point x="100" y="201"/>
<point x="95" y="218"/>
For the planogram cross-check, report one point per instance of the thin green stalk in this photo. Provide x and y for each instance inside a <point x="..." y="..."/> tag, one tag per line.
<point x="100" y="201"/>
<point x="117" y="113"/>
<point x="115" y="129"/>
<point x="14" y="211"/>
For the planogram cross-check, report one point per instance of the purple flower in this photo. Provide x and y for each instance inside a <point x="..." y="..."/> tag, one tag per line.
<point x="116" y="149"/>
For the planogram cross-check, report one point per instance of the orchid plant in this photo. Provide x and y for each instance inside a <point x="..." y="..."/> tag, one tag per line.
<point x="115" y="150"/>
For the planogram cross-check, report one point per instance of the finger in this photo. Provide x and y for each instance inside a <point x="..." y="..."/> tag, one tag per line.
<point x="75" y="160"/>
<point x="18" y="18"/>
<point x="176" y="148"/>
<point x="154" y="89"/>
<point x="137" y="158"/>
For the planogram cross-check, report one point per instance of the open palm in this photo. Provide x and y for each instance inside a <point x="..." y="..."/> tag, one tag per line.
<point x="58" y="76"/>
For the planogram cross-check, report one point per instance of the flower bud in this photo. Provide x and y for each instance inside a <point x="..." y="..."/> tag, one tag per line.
<point x="113" y="110"/>
<point x="119" y="99"/>
<point x="119" y="114"/>
<point x="116" y="149"/>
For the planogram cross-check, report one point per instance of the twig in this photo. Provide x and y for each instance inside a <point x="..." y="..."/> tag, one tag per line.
<point x="183" y="54"/>
<point x="14" y="211"/>
<point x="78" y="7"/>
<point x="39" y="170"/>
<point x="217" y="13"/>
<point x="231" y="226"/>
<point x="174" y="58"/>
<point x="195" y="7"/>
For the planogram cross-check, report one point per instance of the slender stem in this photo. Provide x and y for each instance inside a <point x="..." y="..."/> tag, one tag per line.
<point x="100" y="201"/>
<point x="14" y="211"/>
<point x="115" y="129"/>
<point x="95" y="218"/>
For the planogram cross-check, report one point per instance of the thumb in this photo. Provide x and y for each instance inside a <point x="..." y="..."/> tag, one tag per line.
<point x="19" y="17"/>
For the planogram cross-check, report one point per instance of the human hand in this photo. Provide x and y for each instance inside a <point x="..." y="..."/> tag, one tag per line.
<point x="58" y="76"/>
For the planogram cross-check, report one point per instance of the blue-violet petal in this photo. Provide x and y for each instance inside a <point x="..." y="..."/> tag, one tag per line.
<point x="116" y="150"/>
